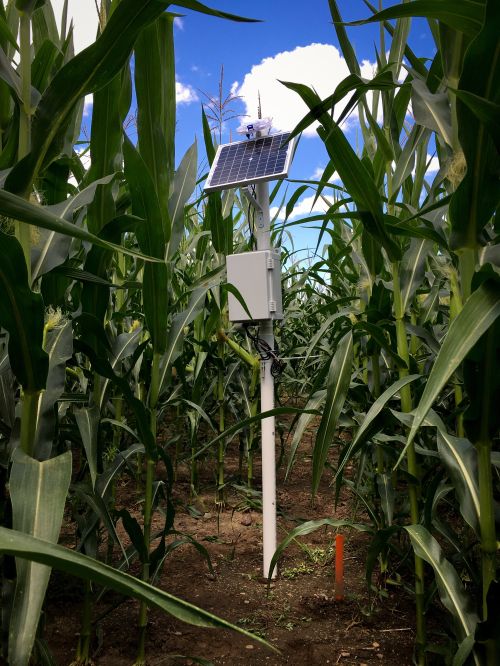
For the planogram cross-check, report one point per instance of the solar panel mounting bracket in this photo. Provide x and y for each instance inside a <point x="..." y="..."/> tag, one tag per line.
<point x="252" y="200"/>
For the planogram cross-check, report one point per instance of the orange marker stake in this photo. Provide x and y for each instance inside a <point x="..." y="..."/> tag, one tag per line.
<point x="339" y="567"/>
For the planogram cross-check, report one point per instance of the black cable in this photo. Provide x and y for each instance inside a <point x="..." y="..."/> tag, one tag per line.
<point x="251" y="219"/>
<point x="266" y="352"/>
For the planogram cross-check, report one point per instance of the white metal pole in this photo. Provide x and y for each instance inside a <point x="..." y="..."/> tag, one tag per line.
<point x="263" y="238"/>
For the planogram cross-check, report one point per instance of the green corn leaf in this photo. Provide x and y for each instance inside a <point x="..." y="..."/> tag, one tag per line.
<point x="105" y="150"/>
<point x="478" y="314"/>
<point x="87" y="419"/>
<point x="19" y="209"/>
<point x="352" y="172"/>
<point x="432" y="110"/>
<point x="412" y="270"/>
<point x="387" y="494"/>
<point x="141" y="413"/>
<point x="27" y="6"/>
<point x="183" y="188"/>
<point x="313" y="404"/>
<point x="326" y="325"/>
<point x="154" y="90"/>
<point x="451" y="591"/>
<point x="30" y="548"/>
<point x="86" y="73"/>
<point x="123" y="347"/>
<point x="339" y="377"/>
<point x="22" y="315"/>
<point x="152" y="238"/>
<point x="460" y="458"/>
<point x="485" y="110"/>
<point x="353" y="83"/>
<point x="44" y="27"/>
<point x="51" y="249"/>
<point x="478" y="195"/>
<point x="414" y="61"/>
<point x="232" y="430"/>
<point x="370" y="417"/>
<point x="38" y="492"/>
<point x="104" y="480"/>
<point x="307" y="528"/>
<point x="406" y="160"/>
<point x="6" y="33"/>
<point x="203" y="9"/>
<point x="59" y="347"/>
<point x="176" y="333"/>
<point x="346" y="46"/>
<point x="207" y="137"/>
<point x="100" y="512"/>
<point x="466" y="15"/>
<point x="145" y="204"/>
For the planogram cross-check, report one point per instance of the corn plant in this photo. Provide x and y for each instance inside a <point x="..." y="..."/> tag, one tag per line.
<point x="409" y="239"/>
<point x="89" y="329"/>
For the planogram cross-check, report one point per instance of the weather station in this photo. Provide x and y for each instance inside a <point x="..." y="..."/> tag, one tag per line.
<point x="256" y="274"/>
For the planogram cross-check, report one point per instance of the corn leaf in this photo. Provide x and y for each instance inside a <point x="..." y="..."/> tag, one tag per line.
<point x="59" y="347"/>
<point x="87" y="419"/>
<point x="352" y="172"/>
<point x="22" y="315"/>
<point x="460" y="458"/>
<point x="19" y="209"/>
<point x="154" y="88"/>
<point x="313" y="404"/>
<point x="152" y="238"/>
<point x="183" y="187"/>
<point x="176" y="333"/>
<point x="24" y="546"/>
<point x="463" y="15"/>
<point x="451" y="591"/>
<point x="477" y="315"/>
<point x="339" y="377"/>
<point x="369" y="419"/>
<point x="478" y="195"/>
<point x="307" y="528"/>
<point x="38" y="492"/>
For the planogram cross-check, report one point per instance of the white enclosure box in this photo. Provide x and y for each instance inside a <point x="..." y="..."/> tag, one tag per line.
<point x="257" y="276"/>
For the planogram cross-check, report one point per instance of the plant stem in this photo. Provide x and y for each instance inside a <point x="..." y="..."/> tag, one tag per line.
<point x="24" y="146"/>
<point x="456" y="306"/>
<point x="413" y="467"/>
<point x="219" y="501"/>
<point x="29" y="418"/>
<point x="486" y="501"/>
<point x="148" y="502"/>
<point x="83" y="649"/>
<point x="467" y="260"/>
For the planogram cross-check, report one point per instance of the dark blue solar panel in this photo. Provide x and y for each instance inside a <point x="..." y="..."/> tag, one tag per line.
<point x="246" y="161"/>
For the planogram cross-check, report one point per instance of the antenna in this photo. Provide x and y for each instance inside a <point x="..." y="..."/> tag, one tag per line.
<point x="259" y="107"/>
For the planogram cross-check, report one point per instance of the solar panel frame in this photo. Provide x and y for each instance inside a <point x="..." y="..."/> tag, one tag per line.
<point x="231" y="166"/>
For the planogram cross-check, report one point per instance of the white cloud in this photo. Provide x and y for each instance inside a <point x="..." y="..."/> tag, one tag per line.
<point x="85" y="20"/>
<point x="179" y="23"/>
<point x="318" y="175"/>
<point x="433" y="162"/>
<point x="305" y="207"/>
<point x="87" y="105"/>
<point x="319" y="66"/>
<point x="184" y="93"/>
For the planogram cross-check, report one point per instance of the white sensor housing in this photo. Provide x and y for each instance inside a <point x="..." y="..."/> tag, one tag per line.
<point x="257" y="276"/>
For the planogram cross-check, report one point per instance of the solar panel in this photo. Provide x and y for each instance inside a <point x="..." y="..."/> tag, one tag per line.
<point x="242" y="162"/>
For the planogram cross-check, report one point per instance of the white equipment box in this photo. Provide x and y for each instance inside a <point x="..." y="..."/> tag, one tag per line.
<point x="257" y="276"/>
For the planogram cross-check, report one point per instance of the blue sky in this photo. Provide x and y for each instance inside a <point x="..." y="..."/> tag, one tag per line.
<point x="296" y="41"/>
